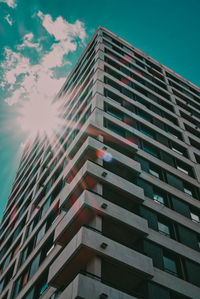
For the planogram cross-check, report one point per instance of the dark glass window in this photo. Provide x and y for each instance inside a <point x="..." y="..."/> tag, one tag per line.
<point x="155" y="171"/>
<point x="193" y="272"/>
<point x="174" y="181"/>
<point x="114" y="112"/>
<point x="164" y="229"/>
<point x="152" y="150"/>
<point x="195" y="215"/>
<point x="40" y="234"/>
<point x="170" y="265"/>
<point x="158" y="198"/>
<point x="34" y="265"/>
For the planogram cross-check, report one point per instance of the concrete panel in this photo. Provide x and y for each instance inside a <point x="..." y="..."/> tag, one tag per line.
<point x="176" y="284"/>
<point x="173" y="245"/>
<point x="87" y="287"/>
<point x="89" y="201"/>
<point x="92" y="240"/>
<point x="96" y="171"/>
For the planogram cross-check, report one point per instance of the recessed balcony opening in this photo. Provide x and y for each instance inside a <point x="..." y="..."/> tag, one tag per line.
<point x="88" y="154"/>
<point x="122" y="234"/>
<point x="121" y="278"/>
<point x="88" y="182"/>
<point x="120" y="198"/>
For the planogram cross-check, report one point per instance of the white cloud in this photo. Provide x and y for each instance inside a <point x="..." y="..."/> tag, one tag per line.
<point x="15" y="64"/>
<point x="55" y="57"/>
<point x="39" y="80"/>
<point x="11" y="3"/>
<point x="61" y="29"/>
<point x="16" y="96"/>
<point x="9" y="20"/>
<point x="27" y="42"/>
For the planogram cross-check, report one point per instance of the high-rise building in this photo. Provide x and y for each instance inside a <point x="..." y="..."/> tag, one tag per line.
<point x="111" y="207"/>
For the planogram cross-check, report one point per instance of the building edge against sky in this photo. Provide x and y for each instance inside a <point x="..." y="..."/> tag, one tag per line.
<point x="111" y="207"/>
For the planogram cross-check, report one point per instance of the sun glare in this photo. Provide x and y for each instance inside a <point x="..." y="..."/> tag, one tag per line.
<point x="39" y="116"/>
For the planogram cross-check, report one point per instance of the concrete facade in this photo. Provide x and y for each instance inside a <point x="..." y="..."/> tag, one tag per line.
<point x="111" y="208"/>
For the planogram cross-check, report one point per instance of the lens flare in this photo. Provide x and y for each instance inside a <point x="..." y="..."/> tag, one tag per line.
<point x="100" y="153"/>
<point x="39" y="116"/>
<point x="104" y="155"/>
<point x="107" y="157"/>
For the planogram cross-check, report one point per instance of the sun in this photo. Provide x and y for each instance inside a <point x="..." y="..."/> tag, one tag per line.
<point x="39" y="116"/>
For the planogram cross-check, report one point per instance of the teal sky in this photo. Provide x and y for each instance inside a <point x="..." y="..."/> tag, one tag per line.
<point x="32" y="32"/>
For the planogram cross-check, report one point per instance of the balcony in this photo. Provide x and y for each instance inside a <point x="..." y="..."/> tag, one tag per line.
<point x="83" y="286"/>
<point x="87" y="207"/>
<point x="87" y="244"/>
<point x="91" y="173"/>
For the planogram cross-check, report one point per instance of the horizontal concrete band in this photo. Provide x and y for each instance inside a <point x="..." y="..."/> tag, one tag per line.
<point x="92" y="240"/>
<point x="86" y="287"/>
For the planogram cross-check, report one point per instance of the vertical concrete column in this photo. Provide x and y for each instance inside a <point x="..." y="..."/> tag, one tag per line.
<point x="169" y="89"/>
<point x="94" y="266"/>
<point x="186" y="138"/>
<point x="98" y="86"/>
<point x="98" y="75"/>
<point x="98" y="188"/>
<point x="197" y="172"/>
<point x="25" y="231"/>
<point x="99" y="61"/>
<point x="176" y="110"/>
<point x="98" y="101"/>
<point x="173" y="99"/>
<point x="164" y="75"/>
<point x="180" y="122"/>
<point x="17" y="259"/>
<point x="96" y="118"/>
<point x="96" y="222"/>
<point x="191" y="154"/>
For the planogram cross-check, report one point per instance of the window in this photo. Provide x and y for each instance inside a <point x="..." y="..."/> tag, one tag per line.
<point x="24" y="255"/>
<point x="174" y="181"/>
<point x="180" y="206"/>
<point x="40" y="234"/>
<point x="1" y="286"/>
<point x="114" y="112"/>
<point x="46" y="205"/>
<point x="170" y="265"/>
<point x="187" y="191"/>
<point x="185" y="168"/>
<point x="34" y="265"/>
<point x="30" y="295"/>
<point x="43" y="289"/>
<point x="147" y="147"/>
<point x="174" y="133"/>
<point x="17" y="287"/>
<point x="192" y="272"/>
<point x="112" y="96"/>
<point x="120" y="131"/>
<point x="25" y="279"/>
<point x="195" y="217"/>
<point x="164" y="229"/>
<point x="178" y="149"/>
<point x="181" y="169"/>
<point x="159" y="199"/>
<point x="114" y="128"/>
<point x="50" y="250"/>
<point x="7" y="261"/>
<point x="154" y="171"/>
<point x="147" y="131"/>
